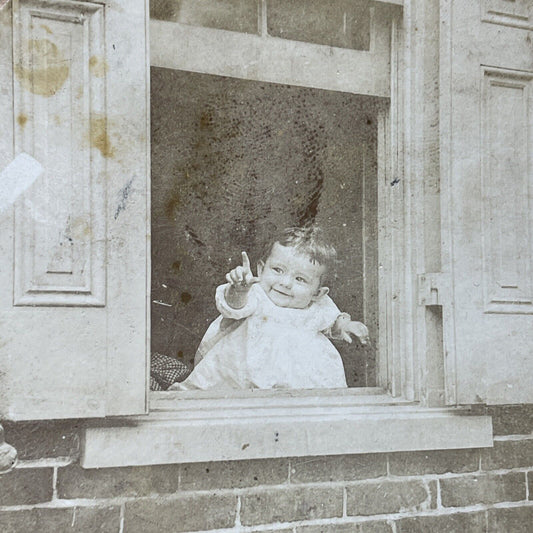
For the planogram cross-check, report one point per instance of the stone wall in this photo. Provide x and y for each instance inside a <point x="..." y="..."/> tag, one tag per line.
<point x="474" y="490"/>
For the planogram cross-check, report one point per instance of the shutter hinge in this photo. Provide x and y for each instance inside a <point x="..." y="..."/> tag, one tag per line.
<point x="434" y="288"/>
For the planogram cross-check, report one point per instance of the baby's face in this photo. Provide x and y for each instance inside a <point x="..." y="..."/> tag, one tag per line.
<point x="289" y="278"/>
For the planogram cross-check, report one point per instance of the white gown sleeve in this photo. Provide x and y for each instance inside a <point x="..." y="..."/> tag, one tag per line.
<point x="325" y="313"/>
<point x="228" y="312"/>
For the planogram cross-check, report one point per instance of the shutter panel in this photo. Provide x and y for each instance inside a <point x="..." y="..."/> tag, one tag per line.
<point x="487" y="158"/>
<point x="73" y="248"/>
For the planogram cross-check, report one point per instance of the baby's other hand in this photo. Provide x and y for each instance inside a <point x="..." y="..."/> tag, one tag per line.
<point x="355" y="328"/>
<point x="242" y="278"/>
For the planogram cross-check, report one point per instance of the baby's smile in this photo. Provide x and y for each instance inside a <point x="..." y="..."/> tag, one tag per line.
<point x="290" y="278"/>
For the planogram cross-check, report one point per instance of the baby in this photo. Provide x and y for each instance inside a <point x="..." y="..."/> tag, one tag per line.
<point x="271" y="332"/>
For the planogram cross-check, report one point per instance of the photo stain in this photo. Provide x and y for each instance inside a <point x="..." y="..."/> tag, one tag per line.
<point x="172" y="204"/>
<point x="185" y="297"/>
<point x="99" y="138"/>
<point x="80" y="228"/>
<point x="22" y="119"/>
<point x="176" y="265"/>
<point x="98" y="66"/>
<point x="46" y="29"/>
<point x="206" y="119"/>
<point x="49" y="69"/>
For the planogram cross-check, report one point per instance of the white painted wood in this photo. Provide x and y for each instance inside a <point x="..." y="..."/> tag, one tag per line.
<point x="513" y="13"/>
<point x="507" y="128"/>
<point x="249" y="432"/>
<point x="270" y="59"/>
<point x="60" y="225"/>
<point x="74" y="249"/>
<point x="487" y="186"/>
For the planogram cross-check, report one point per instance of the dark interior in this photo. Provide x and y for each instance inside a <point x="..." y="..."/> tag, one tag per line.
<point x="234" y="160"/>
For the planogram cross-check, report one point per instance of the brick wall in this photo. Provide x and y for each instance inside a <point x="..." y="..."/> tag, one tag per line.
<point x="468" y="491"/>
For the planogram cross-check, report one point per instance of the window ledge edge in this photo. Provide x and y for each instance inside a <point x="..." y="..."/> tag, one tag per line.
<point x="151" y="440"/>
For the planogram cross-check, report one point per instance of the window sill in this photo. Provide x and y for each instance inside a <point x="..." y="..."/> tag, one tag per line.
<point x="194" y="427"/>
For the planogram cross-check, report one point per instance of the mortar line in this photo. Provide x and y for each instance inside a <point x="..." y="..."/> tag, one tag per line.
<point x="122" y="514"/>
<point x="513" y="438"/>
<point x="44" y="463"/>
<point x="238" y="512"/>
<point x="54" y="484"/>
<point x="264" y="24"/>
<point x="344" y="503"/>
<point x="333" y="520"/>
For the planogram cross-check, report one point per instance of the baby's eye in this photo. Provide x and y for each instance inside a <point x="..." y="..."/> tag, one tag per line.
<point x="277" y="270"/>
<point x="299" y="279"/>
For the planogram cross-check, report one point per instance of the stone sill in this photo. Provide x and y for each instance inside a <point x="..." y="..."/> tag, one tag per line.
<point x="191" y="427"/>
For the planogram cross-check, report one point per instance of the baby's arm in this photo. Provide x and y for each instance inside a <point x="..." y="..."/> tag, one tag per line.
<point x="344" y="325"/>
<point x="240" y="281"/>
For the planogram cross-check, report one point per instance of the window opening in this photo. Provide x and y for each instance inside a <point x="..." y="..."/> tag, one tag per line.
<point x="232" y="161"/>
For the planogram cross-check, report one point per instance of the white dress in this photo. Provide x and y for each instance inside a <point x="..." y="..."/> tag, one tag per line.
<point x="265" y="346"/>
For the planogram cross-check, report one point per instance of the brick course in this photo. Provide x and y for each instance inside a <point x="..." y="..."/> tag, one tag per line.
<point x="234" y="474"/>
<point x="338" y="468"/>
<point x="487" y="488"/>
<point x="73" y="519"/>
<point x="37" y="440"/>
<point x="452" y="523"/>
<point x="24" y="486"/>
<point x="183" y="514"/>
<point x="434" y="462"/>
<point x="513" y="520"/>
<point x="386" y="497"/>
<point x="375" y="526"/>
<point x="507" y="454"/>
<point x="76" y="482"/>
<point x="291" y="504"/>
<point x="443" y="491"/>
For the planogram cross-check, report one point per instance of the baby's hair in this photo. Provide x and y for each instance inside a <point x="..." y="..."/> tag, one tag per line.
<point x="308" y="240"/>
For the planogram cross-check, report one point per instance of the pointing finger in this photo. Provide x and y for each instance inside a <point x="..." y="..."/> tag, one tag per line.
<point x="245" y="261"/>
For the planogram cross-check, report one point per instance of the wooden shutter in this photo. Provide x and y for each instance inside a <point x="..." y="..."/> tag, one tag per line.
<point x="73" y="248"/>
<point x="487" y="163"/>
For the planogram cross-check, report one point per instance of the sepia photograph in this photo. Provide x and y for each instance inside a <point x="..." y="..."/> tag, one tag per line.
<point x="266" y="266"/>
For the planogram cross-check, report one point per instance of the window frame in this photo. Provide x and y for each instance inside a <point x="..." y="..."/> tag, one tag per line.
<point x="402" y="415"/>
<point x="377" y="67"/>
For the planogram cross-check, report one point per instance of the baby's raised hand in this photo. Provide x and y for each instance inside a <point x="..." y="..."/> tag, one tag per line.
<point x="242" y="278"/>
<point x="356" y="328"/>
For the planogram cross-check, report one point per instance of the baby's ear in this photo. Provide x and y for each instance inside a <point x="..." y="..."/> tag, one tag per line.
<point x="322" y="291"/>
<point x="260" y="266"/>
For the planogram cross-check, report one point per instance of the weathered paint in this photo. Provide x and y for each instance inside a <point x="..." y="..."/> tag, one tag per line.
<point x="49" y="70"/>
